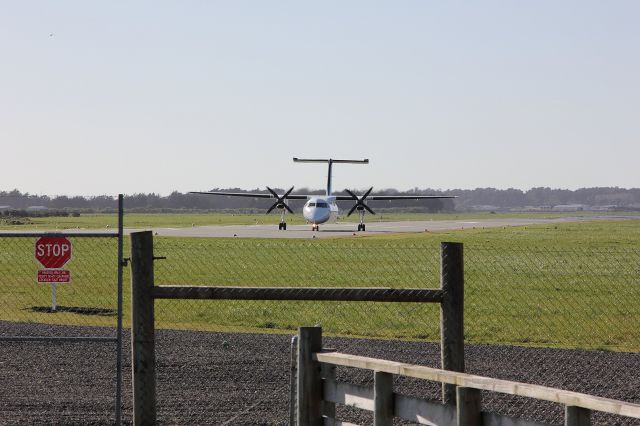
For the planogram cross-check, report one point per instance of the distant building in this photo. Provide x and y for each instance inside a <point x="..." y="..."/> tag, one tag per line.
<point x="484" y="208"/>
<point x="5" y="208"/>
<point x="37" y="208"/>
<point x="569" y="208"/>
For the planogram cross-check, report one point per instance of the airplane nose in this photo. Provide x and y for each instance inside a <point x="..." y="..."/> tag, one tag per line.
<point x="320" y="215"/>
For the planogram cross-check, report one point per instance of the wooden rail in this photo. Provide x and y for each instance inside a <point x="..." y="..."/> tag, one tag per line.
<point x="350" y="294"/>
<point x="467" y="411"/>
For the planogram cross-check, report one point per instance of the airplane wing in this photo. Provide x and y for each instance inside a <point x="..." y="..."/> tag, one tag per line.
<point x="250" y="194"/>
<point x="395" y="197"/>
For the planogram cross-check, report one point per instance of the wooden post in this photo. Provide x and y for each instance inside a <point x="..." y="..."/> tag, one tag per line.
<point x="143" y="364"/>
<point x="576" y="416"/>
<point x="328" y="373"/>
<point x="451" y="314"/>
<point x="293" y="379"/>
<point x="382" y="399"/>
<point x="469" y="406"/>
<point x="309" y="378"/>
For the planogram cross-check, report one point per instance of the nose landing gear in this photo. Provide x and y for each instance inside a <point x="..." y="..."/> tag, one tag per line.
<point x="315" y="227"/>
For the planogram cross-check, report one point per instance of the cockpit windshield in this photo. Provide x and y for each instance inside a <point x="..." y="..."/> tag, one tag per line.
<point x="312" y="204"/>
<point x="322" y="205"/>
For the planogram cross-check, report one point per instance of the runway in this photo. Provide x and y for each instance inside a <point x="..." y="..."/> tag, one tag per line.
<point x="334" y="230"/>
<point x="344" y="230"/>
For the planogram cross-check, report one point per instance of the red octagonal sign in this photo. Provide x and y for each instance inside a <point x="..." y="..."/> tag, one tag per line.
<point x="53" y="252"/>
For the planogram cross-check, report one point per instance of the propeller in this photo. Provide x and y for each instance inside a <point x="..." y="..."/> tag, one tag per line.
<point x="360" y="205"/>
<point x="280" y="201"/>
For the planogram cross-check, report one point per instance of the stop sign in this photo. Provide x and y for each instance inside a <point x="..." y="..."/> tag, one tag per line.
<point x="53" y="252"/>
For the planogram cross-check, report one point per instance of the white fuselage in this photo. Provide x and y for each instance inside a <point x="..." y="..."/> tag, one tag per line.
<point x="320" y="209"/>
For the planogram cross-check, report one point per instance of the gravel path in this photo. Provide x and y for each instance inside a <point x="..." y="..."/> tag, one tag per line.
<point x="215" y="378"/>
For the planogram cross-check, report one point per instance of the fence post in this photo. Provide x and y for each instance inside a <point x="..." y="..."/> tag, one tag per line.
<point x="142" y="329"/>
<point x="576" y="416"/>
<point x="293" y="380"/>
<point x="119" y="303"/>
<point x="469" y="406"/>
<point x="382" y="399"/>
<point x="309" y="378"/>
<point x="328" y="374"/>
<point x="451" y="314"/>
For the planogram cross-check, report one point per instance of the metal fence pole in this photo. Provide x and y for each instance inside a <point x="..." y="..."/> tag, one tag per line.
<point x="119" y="325"/>
<point x="451" y="314"/>
<point x="142" y="329"/>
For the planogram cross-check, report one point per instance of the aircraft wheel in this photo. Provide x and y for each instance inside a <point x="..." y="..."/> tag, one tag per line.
<point x="363" y="228"/>
<point x="284" y="226"/>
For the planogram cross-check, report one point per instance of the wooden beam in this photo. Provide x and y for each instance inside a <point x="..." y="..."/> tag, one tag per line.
<point x="424" y="412"/>
<point x="590" y="402"/>
<point x="355" y="294"/>
<point x="350" y="394"/>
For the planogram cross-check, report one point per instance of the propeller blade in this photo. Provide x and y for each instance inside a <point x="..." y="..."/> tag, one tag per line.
<point x="366" y="194"/>
<point x="272" y="207"/>
<point x="287" y="207"/>
<point x="287" y="193"/>
<point x="273" y="193"/>
<point x="354" y="196"/>
<point x="352" y="209"/>
<point x="368" y="209"/>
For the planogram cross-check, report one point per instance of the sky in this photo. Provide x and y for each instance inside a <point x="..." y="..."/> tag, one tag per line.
<point x="160" y="96"/>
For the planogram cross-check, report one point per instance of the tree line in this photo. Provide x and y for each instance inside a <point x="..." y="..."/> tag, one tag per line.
<point x="467" y="199"/>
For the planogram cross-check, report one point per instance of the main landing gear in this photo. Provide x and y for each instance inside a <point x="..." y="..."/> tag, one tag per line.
<point x="361" y="226"/>
<point x="315" y="227"/>
<point x="282" y="226"/>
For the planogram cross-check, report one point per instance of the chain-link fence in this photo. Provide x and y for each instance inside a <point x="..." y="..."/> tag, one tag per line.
<point x="566" y="318"/>
<point x="89" y="299"/>
<point x="57" y="337"/>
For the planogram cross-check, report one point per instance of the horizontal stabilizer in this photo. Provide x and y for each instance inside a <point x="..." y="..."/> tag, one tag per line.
<point x="316" y="160"/>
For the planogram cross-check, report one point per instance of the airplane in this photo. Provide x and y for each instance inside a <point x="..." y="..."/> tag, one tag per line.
<point x="321" y="209"/>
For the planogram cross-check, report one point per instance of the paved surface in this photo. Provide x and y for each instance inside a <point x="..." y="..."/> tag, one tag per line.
<point x="373" y="228"/>
<point x="334" y="230"/>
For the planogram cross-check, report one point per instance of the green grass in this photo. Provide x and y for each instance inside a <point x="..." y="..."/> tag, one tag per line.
<point x="177" y="220"/>
<point x="565" y="285"/>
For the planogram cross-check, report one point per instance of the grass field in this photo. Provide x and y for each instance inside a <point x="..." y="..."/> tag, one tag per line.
<point x="565" y="285"/>
<point x="176" y="220"/>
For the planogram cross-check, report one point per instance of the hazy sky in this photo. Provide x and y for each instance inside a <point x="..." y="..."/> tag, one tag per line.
<point x="155" y="96"/>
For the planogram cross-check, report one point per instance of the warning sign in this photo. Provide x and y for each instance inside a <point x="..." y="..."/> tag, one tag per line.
<point x="53" y="252"/>
<point x="54" y="276"/>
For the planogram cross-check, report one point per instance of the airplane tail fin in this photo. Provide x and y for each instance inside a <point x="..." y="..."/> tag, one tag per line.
<point x="330" y="161"/>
